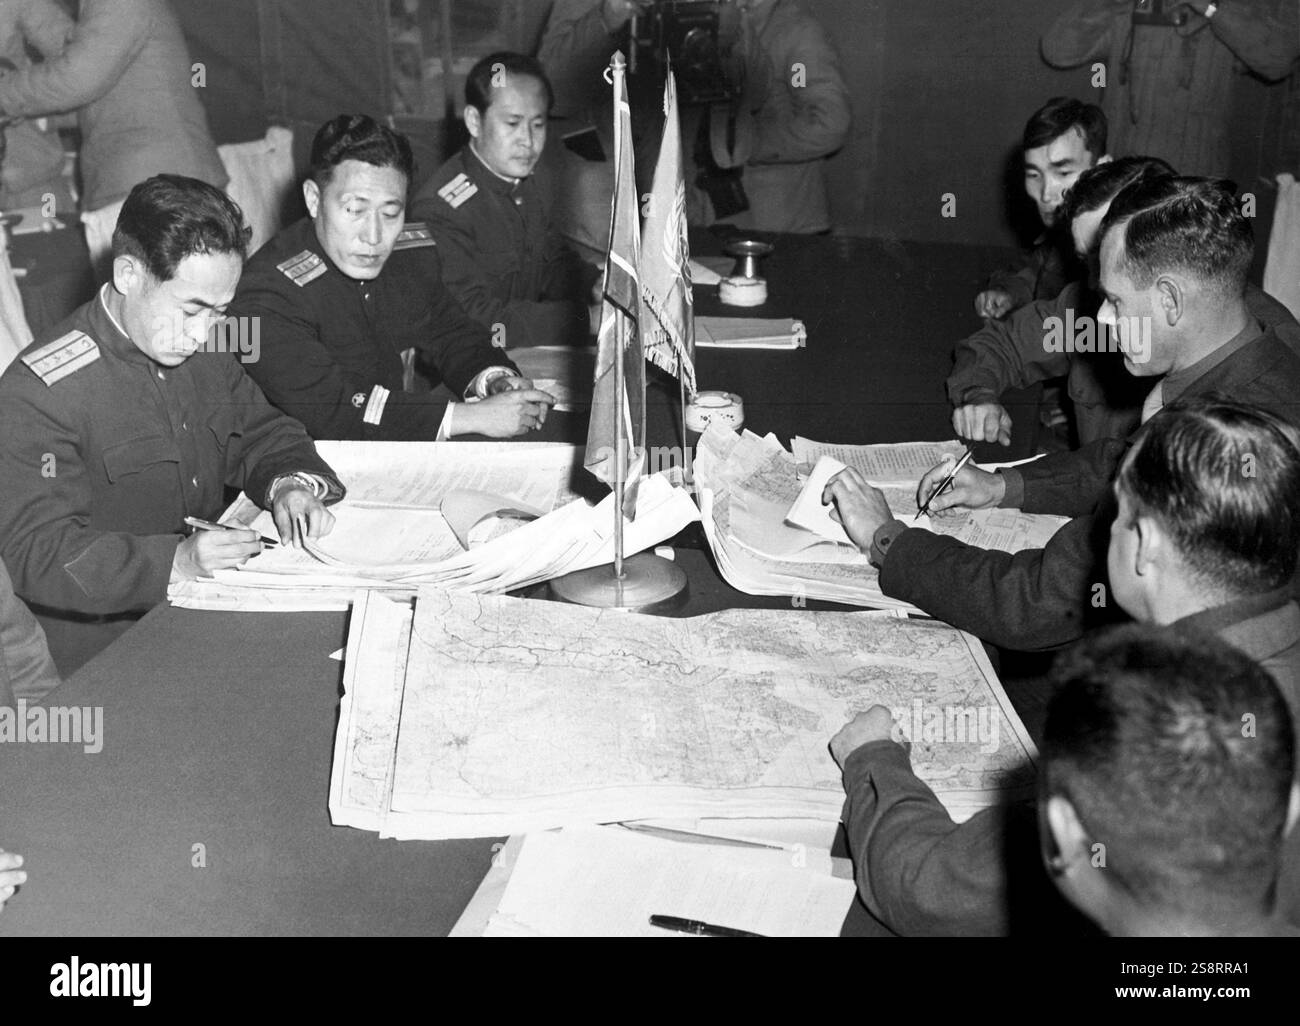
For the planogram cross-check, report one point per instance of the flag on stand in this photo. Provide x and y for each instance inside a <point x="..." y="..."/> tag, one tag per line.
<point x="621" y="293"/>
<point x="669" y="333"/>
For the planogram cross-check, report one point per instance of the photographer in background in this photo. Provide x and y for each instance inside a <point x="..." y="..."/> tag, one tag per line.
<point x="755" y="159"/>
<point x="1171" y="68"/>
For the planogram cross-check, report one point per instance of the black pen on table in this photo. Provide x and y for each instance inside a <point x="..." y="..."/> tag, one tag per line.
<point x="944" y="484"/>
<point x="678" y="925"/>
<point x="200" y="524"/>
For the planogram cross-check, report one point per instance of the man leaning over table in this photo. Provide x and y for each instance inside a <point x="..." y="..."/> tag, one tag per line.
<point x="342" y="295"/>
<point x="1174" y="258"/>
<point x="117" y="427"/>
<point x="1198" y="546"/>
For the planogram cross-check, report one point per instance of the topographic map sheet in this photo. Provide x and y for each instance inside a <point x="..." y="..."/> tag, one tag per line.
<point x="519" y="715"/>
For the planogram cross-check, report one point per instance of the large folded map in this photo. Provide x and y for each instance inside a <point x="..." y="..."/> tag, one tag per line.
<point x="481" y="715"/>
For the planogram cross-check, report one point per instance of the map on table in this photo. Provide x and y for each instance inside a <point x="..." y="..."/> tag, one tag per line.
<point x="490" y="715"/>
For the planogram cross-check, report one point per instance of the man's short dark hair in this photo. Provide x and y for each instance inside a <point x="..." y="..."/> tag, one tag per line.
<point x="1177" y="754"/>
<point x="169" y="217"/>
<point x="1101" y="183"/>
<point x="1193" y="225"/>
<point x="1060" y="114"/>
<point x="1223" y="478"/>
<point x="494" y="70"/>
<point x="358" y="137"/>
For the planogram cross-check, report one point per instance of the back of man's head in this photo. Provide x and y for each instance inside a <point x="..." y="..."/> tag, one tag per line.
<point x="358" y="137"/>
<point x="496" y="70"/>
<point x="1101" y="183"/>
<point x="1176" y="755"/>
<point x="1061" y="114"/>
<point x="1183" y="225"/>
<point x="169" y="217"/>
<point x="1223" y="481"/>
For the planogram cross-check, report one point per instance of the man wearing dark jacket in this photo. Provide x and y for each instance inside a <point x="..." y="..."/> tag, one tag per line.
<point x="341" y="297"/>
<point x="1205" y="543"/>
<point x="1174" y="257"/>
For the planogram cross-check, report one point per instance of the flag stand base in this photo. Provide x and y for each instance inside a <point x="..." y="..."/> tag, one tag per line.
<point x="650" y="584"/>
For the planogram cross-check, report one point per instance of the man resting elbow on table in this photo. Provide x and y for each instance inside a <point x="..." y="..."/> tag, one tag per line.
<point x="350" y="297"/>
<point x="126" y="421"/>
<point x="1174" y="258"/>
<point x="1198" y="547"/>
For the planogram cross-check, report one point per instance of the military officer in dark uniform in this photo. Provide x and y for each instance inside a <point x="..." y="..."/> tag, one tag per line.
<point x="116" y="427"/>
<point x="501" y="258"/>
<point x="343" y="295"/>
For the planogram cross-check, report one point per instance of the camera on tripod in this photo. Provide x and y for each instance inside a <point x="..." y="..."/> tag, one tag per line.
<point x="697" y="37"/>
<point x="1171" y="13"/>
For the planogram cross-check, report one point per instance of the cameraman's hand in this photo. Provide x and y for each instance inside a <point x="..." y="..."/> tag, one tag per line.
<point x="617" y="13"/>
<point x="982" y="422"/>
<point x="205" y="551"/>
<point x="503" y="415"/>
<point x="972" y="488"/>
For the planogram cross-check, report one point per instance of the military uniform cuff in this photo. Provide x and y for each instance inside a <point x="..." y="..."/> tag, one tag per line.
<point x="883" y="539"/>
<point x="1014" y="497"/>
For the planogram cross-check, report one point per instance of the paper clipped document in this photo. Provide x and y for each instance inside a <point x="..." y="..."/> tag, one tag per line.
<point x="391" y="532"/>
<point x="607" y="882"/>
<point x="514" y="715"/>
<point x="750" y="333"/>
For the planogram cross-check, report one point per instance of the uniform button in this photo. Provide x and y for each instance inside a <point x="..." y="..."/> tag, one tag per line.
<point x="194" y="481"/>
<point x="185" y="425"/>
<point x="519" y="201"/>
<point x="162" y="375"/>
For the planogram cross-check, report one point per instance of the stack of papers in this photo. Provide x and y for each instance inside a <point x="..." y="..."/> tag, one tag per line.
<point x="749" y="333"/>
<point x="397" y="527"/>
<point x="768" y="538"/>
<point x="608" y="881"/>
<point x="481" y="716"/>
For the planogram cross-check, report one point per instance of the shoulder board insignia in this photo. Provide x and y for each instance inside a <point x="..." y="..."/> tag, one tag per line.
<point x="415" y="235"/>
<point x="55" y="360"/>
<point x="302" y="269"/>
<point x="458" y="190"/>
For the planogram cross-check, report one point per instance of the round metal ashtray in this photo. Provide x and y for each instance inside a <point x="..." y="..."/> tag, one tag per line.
<point x="748" y="253"/>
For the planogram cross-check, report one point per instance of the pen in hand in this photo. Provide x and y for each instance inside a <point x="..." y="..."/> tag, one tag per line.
<point x="946" y="483"/>
<point x="199" y="524"/>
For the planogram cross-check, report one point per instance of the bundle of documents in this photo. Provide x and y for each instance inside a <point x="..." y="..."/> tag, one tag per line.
<point x="480" y="715"/>
<point x="614" y="879"/>
<point x="749" y="333"/>
<point x="485" y="517"/>
<point x="761" y="514"/>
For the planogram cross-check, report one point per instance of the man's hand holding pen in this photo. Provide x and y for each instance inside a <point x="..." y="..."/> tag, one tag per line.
<point x="971" y="488"/>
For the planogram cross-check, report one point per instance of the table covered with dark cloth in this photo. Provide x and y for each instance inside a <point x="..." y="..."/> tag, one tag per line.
<point x="206" y="812"/>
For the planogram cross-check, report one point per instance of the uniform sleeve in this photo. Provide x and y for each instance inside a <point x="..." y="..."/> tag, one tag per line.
<point x="1069" y="484"/>
<point x="1266" y="41"/>
<point x="272" y="444"/>
<point x="107" y="39"/>
<point x="545" y="321"/>
<point x="1016" y="280"/>
<point x="798" y="123"/>
<point x="917" y="871"/>
<point x="1082" y="32"/>
<point x="1028" y="601"/>
<point x="458" y="347"/>
<point x="56" y="557"/>
<point x="575" y="50"/>
<point x="298" y="374"/>
<point x="47" y="27"/>
<point x="1008" y="353"/>
<point x="26" y="669"/>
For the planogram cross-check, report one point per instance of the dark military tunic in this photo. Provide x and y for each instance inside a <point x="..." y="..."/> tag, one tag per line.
<point x="106" y="452"/>
<point x="500" y="256"/>
<point x="331" y="346"/>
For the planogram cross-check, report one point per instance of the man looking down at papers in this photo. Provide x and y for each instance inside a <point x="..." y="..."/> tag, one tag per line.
<point x="116" y="428"/>
<point x="1174" y="258"/>
<point x="1199" y="545"/>
<point x="344" y="293"/>
<point x="1061" y="337"/>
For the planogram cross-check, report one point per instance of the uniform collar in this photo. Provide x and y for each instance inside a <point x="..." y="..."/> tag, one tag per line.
<point x="485" y="178"/>
<point x="1232" y="619"/>
<point x="1175" y="384"/>
<point x="109" y="333"/>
